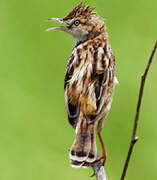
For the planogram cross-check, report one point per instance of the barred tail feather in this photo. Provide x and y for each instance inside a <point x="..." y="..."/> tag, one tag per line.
<point x="84" y="147"/>
<point x="81" y="146"/>
<point x="93" y="150"/>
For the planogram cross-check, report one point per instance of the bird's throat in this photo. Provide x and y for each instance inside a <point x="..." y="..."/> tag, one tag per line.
<point x="80" y="40"/>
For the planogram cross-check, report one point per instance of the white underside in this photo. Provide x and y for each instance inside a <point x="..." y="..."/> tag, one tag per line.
<point x="116" y="80"/>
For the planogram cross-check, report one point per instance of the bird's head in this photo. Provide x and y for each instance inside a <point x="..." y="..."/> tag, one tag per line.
<point x="81" y="23"/>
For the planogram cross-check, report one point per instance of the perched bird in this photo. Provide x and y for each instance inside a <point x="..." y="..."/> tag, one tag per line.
<point x="89" y="81"/>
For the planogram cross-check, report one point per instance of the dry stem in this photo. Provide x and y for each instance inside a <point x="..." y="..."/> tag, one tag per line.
<point x="99" y="171"/>
<point x="134" y="138"/>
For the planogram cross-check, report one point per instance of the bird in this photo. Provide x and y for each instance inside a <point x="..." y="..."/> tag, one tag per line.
<point x="89" y="82"/>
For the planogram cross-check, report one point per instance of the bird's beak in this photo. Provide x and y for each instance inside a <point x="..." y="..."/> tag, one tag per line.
<point x="60" y="20"/>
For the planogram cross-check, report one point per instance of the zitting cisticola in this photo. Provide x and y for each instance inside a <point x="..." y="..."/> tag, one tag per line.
<point x="89" y="81"/>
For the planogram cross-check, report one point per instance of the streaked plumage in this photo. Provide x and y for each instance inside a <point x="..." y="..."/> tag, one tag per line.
<point x="89" y="81"/>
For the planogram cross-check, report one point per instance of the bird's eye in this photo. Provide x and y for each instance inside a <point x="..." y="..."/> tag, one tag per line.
<point x="77" y="22"/>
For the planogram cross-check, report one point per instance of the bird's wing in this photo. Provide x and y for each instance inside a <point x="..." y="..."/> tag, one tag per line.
<point x="104" y="79"/>
<point x="71" y="110"/>
<point x="103" y="89"/>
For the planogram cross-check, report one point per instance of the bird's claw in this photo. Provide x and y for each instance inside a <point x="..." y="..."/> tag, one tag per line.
<point x="100" y="158"/>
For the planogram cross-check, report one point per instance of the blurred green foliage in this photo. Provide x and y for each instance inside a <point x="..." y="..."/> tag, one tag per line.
<point x="35" y="136"/>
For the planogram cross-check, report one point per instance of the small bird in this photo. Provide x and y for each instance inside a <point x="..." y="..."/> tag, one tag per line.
<point x="89" y="81"/>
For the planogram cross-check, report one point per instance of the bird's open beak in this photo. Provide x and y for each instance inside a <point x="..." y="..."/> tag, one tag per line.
<point x="63" y="28"/>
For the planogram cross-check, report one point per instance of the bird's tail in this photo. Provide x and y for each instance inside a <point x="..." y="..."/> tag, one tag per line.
<point x="84" y="148"/>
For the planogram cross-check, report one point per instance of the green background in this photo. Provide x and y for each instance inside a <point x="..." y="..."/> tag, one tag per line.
<point x="35" y="136"/>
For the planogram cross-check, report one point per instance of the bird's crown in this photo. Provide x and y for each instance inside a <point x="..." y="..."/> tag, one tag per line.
<point x="79" y="10"/>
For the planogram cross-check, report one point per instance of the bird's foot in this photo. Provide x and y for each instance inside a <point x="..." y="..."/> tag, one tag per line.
<point x="100" y="158"/>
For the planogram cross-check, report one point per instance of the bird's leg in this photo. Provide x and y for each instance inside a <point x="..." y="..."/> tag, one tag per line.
<point x="104" y="153"/>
